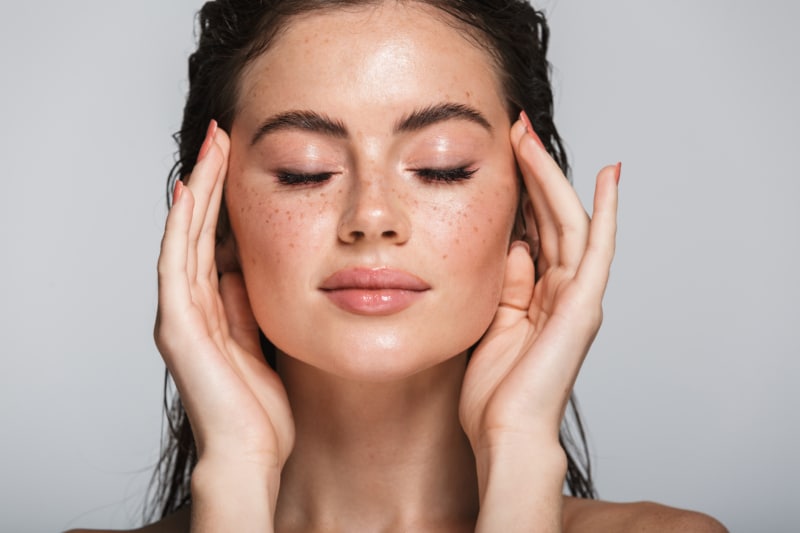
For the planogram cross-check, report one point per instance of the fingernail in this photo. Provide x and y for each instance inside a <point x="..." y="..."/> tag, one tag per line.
<point x="619" y="171"/>
<point x="210" y="133"/>
<point x="176" y="191"/>
<point x="529" y="127"/>
<point x="521" y="244"/>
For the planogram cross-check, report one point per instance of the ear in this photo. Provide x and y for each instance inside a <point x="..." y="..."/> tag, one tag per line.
<point x="227" y="256"/>
<point x="226" y="252"/>
<point x="530" y="232"/>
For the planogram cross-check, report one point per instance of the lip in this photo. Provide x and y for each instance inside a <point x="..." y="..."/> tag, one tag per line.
<point x="373" y="291"/>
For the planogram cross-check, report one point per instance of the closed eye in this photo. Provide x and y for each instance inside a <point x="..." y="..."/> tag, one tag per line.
<point x="300" y="178"/>
<point x="446" y="175"/>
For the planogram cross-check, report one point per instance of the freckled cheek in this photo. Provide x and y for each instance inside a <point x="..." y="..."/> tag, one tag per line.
<point x="270" y="231"/>
<point x="477" y="231"/>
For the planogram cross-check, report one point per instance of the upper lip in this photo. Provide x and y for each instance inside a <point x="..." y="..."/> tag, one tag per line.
<point x="373" y="279"/>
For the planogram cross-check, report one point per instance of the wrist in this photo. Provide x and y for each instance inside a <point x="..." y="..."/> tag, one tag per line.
<point x="520" y="459"/>
<point x="228" y="496"/>
<point x="520" y="486"/>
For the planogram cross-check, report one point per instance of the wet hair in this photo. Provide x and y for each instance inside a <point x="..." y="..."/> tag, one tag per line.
<point x="232" y="33"/>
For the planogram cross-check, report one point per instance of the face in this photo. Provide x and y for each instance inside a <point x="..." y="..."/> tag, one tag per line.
<point x="372" y="190"/>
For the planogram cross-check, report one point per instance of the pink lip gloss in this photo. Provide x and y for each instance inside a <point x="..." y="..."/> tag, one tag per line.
<point x="374" y="291"/>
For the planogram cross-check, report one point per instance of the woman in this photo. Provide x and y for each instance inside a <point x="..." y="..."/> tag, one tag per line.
<point x="370" y="216"/>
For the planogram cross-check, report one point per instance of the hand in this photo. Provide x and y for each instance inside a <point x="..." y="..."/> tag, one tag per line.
<point x="206" y="332"/>
<point x="521" y="374"/>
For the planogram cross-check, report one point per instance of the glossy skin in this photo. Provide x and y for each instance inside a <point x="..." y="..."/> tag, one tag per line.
<point x="379" y="208"/>
<point x="374" y="414"/>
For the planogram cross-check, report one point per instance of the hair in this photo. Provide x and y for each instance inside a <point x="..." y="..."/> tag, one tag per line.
<point x="232" y="33"/>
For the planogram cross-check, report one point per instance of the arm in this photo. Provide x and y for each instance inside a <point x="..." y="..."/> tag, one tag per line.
<point x="208" y="337"/>
<point x="520" y="490"/>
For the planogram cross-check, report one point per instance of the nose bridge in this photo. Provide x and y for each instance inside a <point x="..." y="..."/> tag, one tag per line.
<point x="375" y="210"/>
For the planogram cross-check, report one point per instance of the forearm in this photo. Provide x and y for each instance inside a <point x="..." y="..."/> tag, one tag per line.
<point x="233" y="498"/>
<point x="520" y="488"/>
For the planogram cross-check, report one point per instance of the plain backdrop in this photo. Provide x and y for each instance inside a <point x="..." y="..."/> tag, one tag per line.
<point x="689" y="392"/>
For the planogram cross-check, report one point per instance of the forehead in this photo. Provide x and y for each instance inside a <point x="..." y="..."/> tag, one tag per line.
<point x="386" y="54"/>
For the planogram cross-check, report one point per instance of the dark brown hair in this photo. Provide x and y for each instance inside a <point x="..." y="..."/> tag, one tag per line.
<point x="234" y="32"/>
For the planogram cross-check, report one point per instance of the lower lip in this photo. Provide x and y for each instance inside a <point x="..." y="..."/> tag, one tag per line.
<point x="375" y="302"/>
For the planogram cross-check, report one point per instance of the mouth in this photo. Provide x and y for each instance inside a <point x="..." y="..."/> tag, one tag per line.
<point x="374" y="291"/>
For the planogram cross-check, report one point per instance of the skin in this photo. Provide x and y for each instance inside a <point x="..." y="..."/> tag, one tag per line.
<point x="375" y="211"/>
<point x="371" y="418"/>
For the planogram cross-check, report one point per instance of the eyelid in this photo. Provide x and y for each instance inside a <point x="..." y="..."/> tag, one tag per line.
<point x="294" y="178"/>
<point x="445" y="174"/>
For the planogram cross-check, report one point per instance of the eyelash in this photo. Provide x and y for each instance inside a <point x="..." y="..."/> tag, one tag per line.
<point x="444" y="175"/>
<point x="293" y="178"/>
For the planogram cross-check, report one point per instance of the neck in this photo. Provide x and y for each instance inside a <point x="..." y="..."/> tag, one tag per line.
<point x="382" y="456"/>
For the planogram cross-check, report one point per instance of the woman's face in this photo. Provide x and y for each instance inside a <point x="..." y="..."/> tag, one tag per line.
<point x="372" y="190"/>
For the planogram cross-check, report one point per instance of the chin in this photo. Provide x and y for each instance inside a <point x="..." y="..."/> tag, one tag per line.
<point x="378" y="360"/>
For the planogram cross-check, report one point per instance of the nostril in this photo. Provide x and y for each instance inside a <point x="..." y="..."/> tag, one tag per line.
<point x="389" y="234"/>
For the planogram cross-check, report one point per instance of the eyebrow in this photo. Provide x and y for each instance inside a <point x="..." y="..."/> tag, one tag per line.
<point x="416" y="120"/>
<point x="427" y="116"/>
<point x="300" y="120"/>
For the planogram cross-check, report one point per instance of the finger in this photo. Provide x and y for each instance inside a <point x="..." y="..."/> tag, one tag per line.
<point x="596" y="264"/>
<point x="515" y="298"/>
<point x="247" y="357"/>
<point x="174" y="292"/>
<point x="242" y="325"/>
<point x="537" y="209"/>
<point x="553" y="192"/>
<point x="206" y="246"/>
<point x="202" y="182"/>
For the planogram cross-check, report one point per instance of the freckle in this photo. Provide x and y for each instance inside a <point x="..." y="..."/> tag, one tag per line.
<point x="475" y="229"/>
<point x="444" y="256"/>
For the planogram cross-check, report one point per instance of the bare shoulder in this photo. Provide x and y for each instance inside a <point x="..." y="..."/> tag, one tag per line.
<point x="582" y="515"/>
<point x="174" y="523"/>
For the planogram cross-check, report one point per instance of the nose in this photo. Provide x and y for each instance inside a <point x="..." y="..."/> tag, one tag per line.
<point x="374" y="212"/>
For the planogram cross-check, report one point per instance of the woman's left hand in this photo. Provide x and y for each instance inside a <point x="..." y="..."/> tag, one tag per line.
<point x="521" y="374"/>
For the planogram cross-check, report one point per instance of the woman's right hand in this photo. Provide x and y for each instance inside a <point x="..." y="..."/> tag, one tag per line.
<point x="208" y="337"/>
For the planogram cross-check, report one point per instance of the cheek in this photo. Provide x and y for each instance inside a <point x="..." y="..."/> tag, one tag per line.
<point x="475" y="234"/>
<point x="472" y="241"/>
<point x="261" y="228"/>
<point x="277" y="242"/>
<point x="269" y="228"/>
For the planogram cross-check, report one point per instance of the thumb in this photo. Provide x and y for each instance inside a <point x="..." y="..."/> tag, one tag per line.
<point x="515" y="298"/>
<point x="241" y="322"/>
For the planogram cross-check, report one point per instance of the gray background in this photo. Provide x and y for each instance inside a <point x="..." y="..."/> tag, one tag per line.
<point x="688" y="391"/>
